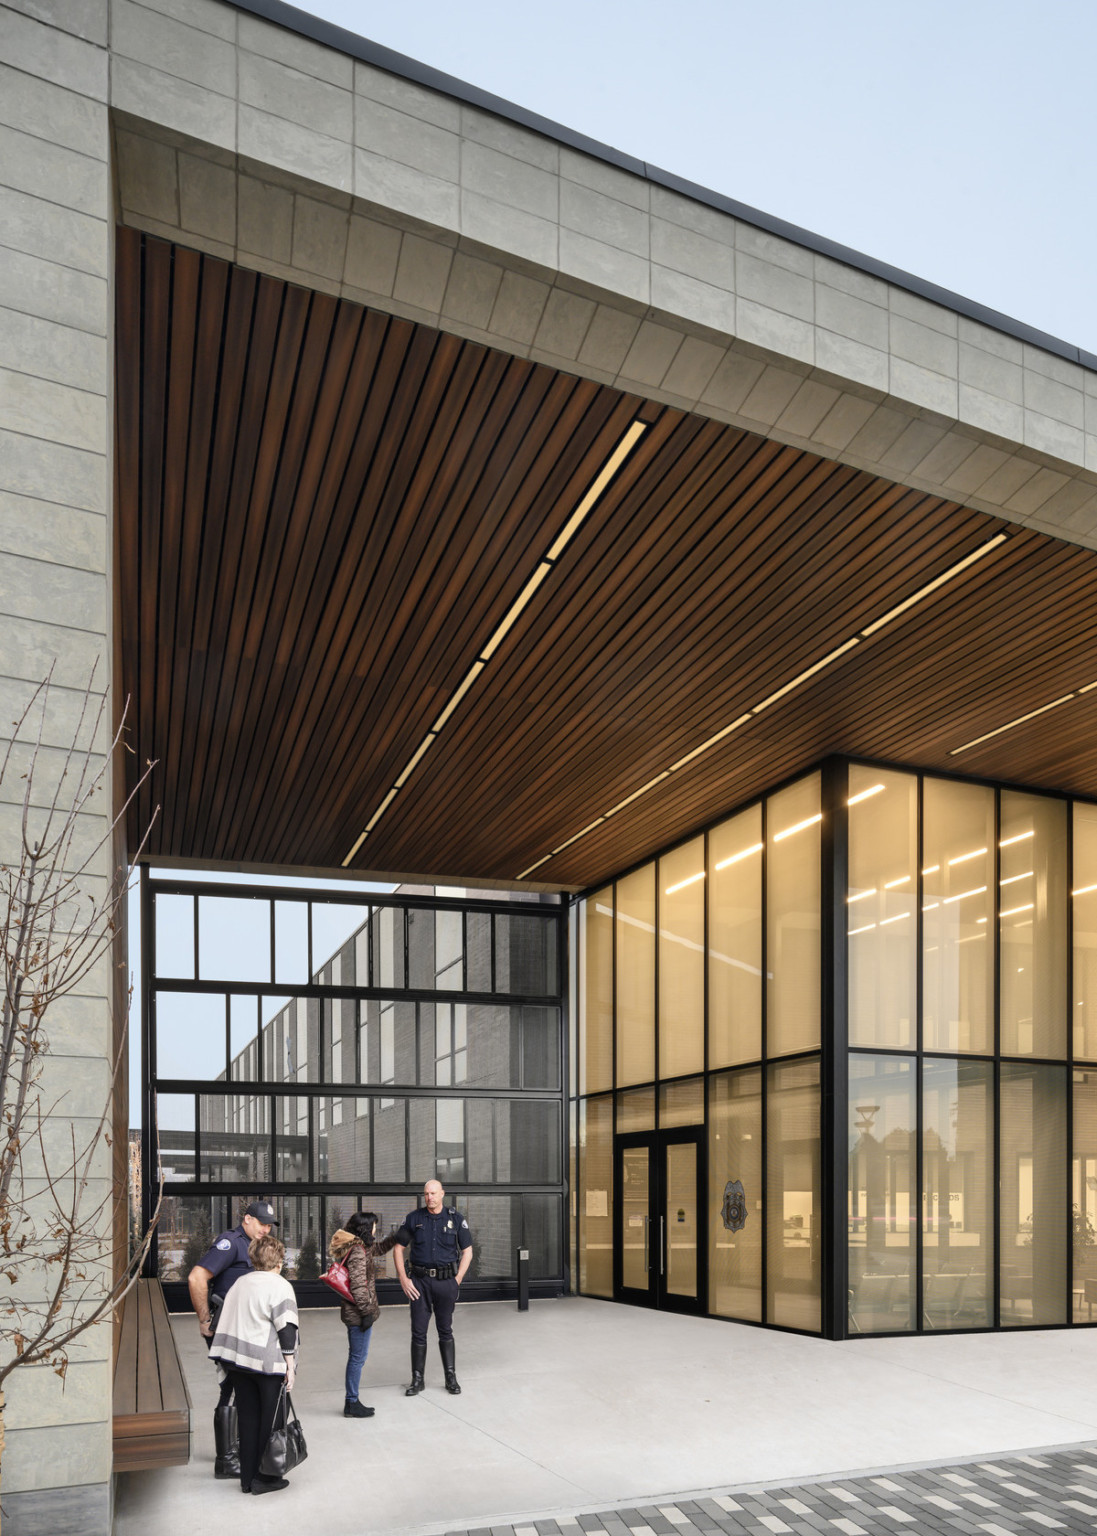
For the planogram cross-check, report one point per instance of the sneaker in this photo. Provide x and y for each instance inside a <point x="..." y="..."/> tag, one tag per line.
<point x="356" y="1410"/>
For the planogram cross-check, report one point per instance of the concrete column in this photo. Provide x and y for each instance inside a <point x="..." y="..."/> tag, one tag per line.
<point x="55" y="501"/>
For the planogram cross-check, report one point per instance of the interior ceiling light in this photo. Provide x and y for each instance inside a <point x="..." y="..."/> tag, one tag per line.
<point x="1084" y="890"/>
<point x="962" y="858"/>
<point x="745" y="853"/>
<point x="1012" y="879"/>
<point x="861" y="896"/>
<point x="865" y="794"/>
<point x="976" y="890"/>
<point x="1008" y="842"/>
<point x="1013" y="911"/>
<point x="690" y="880"/>
<point x="801" y="677"/>
<point x="632" y="436"/>
<point x="891" y="884"/>
<point x="800" y="826"/>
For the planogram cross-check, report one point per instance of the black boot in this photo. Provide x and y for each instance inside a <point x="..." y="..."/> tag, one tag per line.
<point x="445" y="1349"/>
<point x="418" y="1361"/>
<point x="225" y="1442"/>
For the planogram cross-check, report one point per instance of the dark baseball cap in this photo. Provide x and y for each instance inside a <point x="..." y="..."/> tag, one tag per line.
<point x="263" y="1211"/>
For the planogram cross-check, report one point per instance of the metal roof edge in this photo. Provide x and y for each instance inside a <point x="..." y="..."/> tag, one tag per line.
<point x="327" y="33"/>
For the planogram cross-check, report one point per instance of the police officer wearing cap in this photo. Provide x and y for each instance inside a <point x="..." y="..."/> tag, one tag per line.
<point x="439" y="1251"/>
<point x="209" y="1282"/>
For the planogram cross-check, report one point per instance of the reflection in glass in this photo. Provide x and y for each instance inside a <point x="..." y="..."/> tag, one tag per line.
<point x="387" y="942"/>
<point x="244" y="1038"/>
<point x="1033" y="1235"/>
<point x="234" y="1139"/>
<point x="449" y="1140"/>
<point x="793" y="1236"/>
<point x="1084" y="1196"/>
<point x="449" y="951"/>
<point x="478" y="951"/>
<point x="957" y="916"/>
<point x="957" y="1183"/>
<point x="880" y="906"/>
<point x="541" y="1047"/>
<point x="880" y="1194"/>
<point x="735" y="939"/>
<point x="681" y="1219"/>
<point x="191" y="1038"/>
<point x="635" y="1218"/>
<point x="501" y="1224"/>
<point x="390" y="1141"/>
<point x="291" y="942"/>
<point x="300" y="1230"/>
<point x="596" y="1196"/>
<point x="175" y="936"/>
<point x="175" y="1127"/>
<point x="596" y="992"/>
<point x="1084" y="908"/>
<point x="341" y="1152"/>
<point x="682" y="1103"/>
<point x="525" y="955"/>
<point x="291" y="1140"/>
<point x="636" y="977"/>
<point x="735" y="1194"/>
<point x="792" y="917"/>
<point x="636" y="1110"/>
<point x="334" y="927"/>
<point x="234" y="938"/>
<point x="682" y="960"/>
<point x="1032" y="919"/>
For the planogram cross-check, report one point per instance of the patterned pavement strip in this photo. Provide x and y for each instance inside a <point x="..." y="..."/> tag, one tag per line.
<point x="1012" y="1496"/>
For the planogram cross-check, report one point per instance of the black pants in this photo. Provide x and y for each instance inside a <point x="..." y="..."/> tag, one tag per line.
<point x="256" y="1404"/>
<point x="439" y="1297"/>
<point x="224" y="1395"/>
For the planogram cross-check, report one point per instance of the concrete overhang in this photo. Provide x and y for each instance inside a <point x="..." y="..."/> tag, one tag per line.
<point x="355" y="244"/>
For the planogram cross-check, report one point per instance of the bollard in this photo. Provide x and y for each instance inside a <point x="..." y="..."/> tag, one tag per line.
<point x="523" y="1279"/>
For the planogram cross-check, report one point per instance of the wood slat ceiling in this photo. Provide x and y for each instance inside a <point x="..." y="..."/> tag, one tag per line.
<point x="325" y="512"/>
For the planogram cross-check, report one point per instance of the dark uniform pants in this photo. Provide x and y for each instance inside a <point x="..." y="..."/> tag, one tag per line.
<point x="439" y="1297"/>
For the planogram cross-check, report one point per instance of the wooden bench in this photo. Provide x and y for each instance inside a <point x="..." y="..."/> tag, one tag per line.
<point x="151" y="1401"/>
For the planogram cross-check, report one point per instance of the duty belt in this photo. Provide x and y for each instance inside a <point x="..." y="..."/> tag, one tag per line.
<point x="434" y="1272"/>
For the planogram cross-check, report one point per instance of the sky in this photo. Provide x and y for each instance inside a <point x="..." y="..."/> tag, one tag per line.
<point x="953" y="140"/>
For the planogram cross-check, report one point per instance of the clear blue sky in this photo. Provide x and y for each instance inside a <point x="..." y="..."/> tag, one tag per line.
<point x="955" y="139"/>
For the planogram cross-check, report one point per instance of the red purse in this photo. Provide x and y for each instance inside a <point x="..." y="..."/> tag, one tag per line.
<point x="336" y="1276"/>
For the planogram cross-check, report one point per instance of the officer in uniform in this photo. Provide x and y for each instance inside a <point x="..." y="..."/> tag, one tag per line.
<point x="209" y="1282"/>
<point x="439" y="1246"/>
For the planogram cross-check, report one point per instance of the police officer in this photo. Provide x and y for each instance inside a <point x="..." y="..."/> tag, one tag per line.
<point x="439" y="1247"/>
<point x="209" y="1282"/>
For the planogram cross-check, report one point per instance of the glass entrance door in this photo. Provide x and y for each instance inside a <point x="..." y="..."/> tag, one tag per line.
<point x="658" y="1231"/>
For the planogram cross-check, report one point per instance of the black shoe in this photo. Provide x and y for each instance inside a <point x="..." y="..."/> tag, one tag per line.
<point x="356" y="1410"/>
<point x="269" y="1484"/>
<point x="417" y="1384"/>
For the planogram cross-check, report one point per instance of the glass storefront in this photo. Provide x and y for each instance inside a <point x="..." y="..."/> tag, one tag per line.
<point x="893" y="963"/>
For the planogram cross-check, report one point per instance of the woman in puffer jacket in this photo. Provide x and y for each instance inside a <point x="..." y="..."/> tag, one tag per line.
<point x="355" y="1246"/>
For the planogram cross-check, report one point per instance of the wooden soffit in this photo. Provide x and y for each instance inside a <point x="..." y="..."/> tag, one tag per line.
<point x="325" y="514"/>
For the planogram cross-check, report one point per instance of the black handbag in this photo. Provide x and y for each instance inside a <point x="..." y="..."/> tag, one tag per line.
<point x="286" y="1447"/>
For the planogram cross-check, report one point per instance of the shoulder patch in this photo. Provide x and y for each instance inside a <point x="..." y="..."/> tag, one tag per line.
<point x="464" y="1224"/>
<point x="225" y="1243"/>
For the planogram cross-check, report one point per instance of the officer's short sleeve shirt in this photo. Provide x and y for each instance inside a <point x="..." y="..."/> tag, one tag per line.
<point x="227" y="1260"/>
<point x="435" y="1239"/>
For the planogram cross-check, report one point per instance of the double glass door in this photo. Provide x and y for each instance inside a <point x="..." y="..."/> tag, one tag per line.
<point x="659" y="1238"/>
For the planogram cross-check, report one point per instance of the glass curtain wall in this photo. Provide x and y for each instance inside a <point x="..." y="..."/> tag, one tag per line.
<point x="965" y="1208"/>
<point x="700" y="987"/>
<point x="334" y="1056"/>
<point x="964" y="943"/>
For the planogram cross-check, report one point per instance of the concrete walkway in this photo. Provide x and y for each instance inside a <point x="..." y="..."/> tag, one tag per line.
<point x="580" y="1405"/>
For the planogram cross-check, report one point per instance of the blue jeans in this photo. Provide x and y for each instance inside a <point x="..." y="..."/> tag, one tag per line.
<point x="357" y="1350"/>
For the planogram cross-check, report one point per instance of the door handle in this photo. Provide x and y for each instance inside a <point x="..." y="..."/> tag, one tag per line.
<point x="662" y="1248"/>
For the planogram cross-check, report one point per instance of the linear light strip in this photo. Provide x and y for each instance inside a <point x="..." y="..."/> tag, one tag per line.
<point x="961" y="565"/>
<point x="1012" y="724"/>
<point x="745" y="853"/>
<point x="605" y="475"/>
<point x="802" y="677"/>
